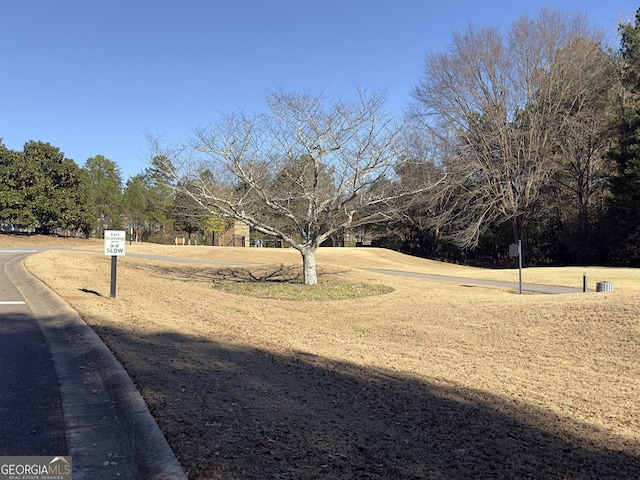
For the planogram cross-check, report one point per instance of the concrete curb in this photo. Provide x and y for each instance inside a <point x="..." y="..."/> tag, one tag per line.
<point x="110" y="432"/>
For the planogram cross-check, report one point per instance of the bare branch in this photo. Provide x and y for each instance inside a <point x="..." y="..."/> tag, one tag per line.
<point x="497" y="106"/>
<point x="307" y="170"/>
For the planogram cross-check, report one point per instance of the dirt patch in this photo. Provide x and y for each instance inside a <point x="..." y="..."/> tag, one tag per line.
<point x="432" y="380"/>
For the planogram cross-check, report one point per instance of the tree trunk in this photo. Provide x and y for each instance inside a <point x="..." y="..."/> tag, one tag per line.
<point x="310" y="274"/>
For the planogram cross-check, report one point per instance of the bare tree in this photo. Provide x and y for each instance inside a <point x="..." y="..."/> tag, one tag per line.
<point x="496" y="105"/>
<point x="302" y="172"/>
<point x="585" y="136"/>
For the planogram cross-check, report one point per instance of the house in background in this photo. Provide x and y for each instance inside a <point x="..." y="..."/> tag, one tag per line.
<point x="237" y="235"/>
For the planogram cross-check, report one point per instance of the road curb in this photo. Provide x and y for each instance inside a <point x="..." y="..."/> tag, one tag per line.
<point x="110" y="431"/>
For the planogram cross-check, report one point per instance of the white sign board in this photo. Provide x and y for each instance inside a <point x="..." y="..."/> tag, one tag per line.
<point x="114" y="242"/>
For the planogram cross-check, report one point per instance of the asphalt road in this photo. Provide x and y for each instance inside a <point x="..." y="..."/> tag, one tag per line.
<point x="30" y="402"/>
<point x="526" y="287"/>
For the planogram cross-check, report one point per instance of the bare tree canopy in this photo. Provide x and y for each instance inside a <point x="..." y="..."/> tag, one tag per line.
<point x="305" y="171"/>
<point x="498" y="105"/>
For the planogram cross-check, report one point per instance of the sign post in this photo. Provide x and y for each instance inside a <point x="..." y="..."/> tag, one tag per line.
<point x="114" y="243"/>
<point x="515" y="250"/>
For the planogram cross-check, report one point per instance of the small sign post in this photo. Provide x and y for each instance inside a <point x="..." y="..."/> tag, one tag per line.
<point x="114" y="245"/>
<point x="515" y="250"/>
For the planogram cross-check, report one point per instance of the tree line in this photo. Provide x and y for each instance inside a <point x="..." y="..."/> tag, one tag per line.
<point x="44" y="192"/>
<point x="528" y="135"/>
<point x="537" y="130"/>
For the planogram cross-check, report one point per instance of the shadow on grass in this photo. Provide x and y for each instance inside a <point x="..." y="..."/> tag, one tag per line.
<point x="93" y="292"/>
<point x="235" y="412"/>
<point x="255" y="273"/>
<point x="269" y="273"/>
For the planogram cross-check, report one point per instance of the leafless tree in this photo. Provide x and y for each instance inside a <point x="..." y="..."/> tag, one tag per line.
<point x="586" y="133"/>
<point x="496" y="105"/>
<point x="307" y="169"/>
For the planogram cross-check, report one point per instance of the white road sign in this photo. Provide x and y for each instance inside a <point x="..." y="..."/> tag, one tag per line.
<point x="114" y="242"/>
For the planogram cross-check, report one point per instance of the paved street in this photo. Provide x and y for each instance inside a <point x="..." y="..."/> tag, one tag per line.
<point x="526" y="287"/>
<point x="30" y="403"/>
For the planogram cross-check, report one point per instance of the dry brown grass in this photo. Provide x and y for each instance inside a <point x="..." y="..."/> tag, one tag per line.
<point x="431" y="380"/>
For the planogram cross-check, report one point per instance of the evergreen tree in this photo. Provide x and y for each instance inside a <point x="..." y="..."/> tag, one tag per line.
<point x="624" y="210"/>
<point x="159" y="196"/>
<point x="17" y="192"/>
<point x="105" y="195"/>
<point x="43" y="189"/>
<point x="188" y="215"/>
<point x="134" y="202"/>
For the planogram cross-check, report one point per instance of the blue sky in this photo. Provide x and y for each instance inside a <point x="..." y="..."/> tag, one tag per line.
<point x="93" y="77"/>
